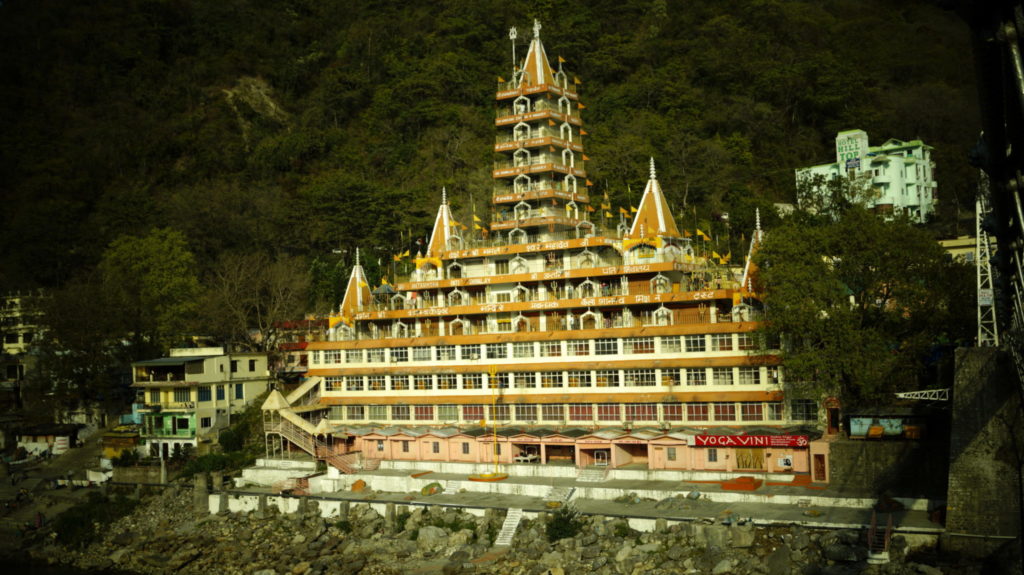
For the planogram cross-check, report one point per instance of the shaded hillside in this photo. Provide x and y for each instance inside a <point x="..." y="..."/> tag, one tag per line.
<point x="307" y="126"/>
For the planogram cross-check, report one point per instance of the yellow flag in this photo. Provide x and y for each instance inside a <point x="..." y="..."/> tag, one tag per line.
<point x="576" y="80"/>
<point x="561" y="60"/>
<point x="476" y="218"/>
<point x="702" y="235"/>
<point x="384" y="281"/>
<point x="608" y="215"/>
<point x="589" y="183"/>
<point x="623" y="211"/>
<point x="584" y="132"/>
<point x="397" y="258"/>
<point x="632" y="209"/>
<point x="687" y="234"/>
<point x="581" y="106"/>
<point x="591" y="209"/>
<point x="363" y="284"/>
<point x="477" y="227"/>
<point x="726" y="258"/>
<point x="551" y="122"/>
<point x="715" y="255"/>
<point x="585" y="158"/>
<point x="500" y="79"/>
<point x="405" y="254"/>
<point x="606" y="206"/>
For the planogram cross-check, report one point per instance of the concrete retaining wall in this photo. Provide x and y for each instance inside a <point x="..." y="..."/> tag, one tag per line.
<point x="905" y="468"/>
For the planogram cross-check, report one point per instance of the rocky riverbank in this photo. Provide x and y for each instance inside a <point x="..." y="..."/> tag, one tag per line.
<point x="166" y="535"/>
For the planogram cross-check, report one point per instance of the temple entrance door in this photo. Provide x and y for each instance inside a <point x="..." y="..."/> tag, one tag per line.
<point x="601" y="457"/>
<point x="819" y="467"/>
<point x="832" y="414"/>
<point x="750" y="458"/>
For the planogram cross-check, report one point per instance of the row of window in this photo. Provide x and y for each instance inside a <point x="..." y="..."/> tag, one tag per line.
<point x="724" y="411"/>
<point x="529" y="349"/>
<point x="688" y="376"/>
<point x="203" y="393"/>
<point x="745" y="376"/>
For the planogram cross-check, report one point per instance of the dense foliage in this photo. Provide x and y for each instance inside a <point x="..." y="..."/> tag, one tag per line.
<point x="864" y="307"/>
<point x="257" y="143"/>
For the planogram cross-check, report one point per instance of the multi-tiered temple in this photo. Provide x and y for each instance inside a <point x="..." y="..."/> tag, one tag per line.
<point x="583" y="339"/>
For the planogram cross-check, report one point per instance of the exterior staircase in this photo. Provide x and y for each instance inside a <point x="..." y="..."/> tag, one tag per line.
<point x="592" y="474"/>
<point x="878" y="540"/>
<point x="562" y="494"/>
<point x="370" y="464"/>
<point x="508" y="528"/>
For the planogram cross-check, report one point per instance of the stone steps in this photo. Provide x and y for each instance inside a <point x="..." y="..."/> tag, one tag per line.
<point x="508" y="528"/>
<point x="592" y="474"/>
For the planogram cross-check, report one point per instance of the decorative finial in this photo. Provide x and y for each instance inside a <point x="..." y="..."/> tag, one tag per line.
<point x="757" y="220"/>
<point x="654" y="174"/>
<point x="357" y="256"/>
<point x="444" y="195"/>
<point x="512" y="35"/>
<point x="536" y="28"/>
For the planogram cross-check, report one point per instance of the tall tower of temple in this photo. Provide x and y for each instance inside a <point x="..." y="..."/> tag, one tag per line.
<point x="540" y="184"/>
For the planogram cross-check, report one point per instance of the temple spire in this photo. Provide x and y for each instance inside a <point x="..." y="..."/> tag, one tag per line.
<point x="653" y="217"/>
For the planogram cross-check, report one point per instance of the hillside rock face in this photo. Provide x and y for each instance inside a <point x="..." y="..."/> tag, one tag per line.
<point x="165" y="535"/>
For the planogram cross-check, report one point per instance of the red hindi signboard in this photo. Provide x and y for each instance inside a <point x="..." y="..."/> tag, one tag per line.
<point x="750" y="440"/>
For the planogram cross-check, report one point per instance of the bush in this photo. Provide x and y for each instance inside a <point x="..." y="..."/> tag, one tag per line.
<point x="127" y="458"/>
<point x="216" y="462"/>
<point x="231" y="440"/>
<point x="566" y="522"/>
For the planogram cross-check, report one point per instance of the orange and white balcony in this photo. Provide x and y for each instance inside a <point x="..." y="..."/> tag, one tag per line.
<point x="538" y="165"/>
<point x="509" y="90"/>
<point x="510" y="143"/>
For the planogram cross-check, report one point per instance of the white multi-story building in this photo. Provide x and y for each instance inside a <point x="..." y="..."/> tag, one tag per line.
<point x="901" y="174"/>
<point x="192" y="393"/>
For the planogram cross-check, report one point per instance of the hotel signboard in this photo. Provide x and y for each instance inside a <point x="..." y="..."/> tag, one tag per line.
<point x="750" y="440"/>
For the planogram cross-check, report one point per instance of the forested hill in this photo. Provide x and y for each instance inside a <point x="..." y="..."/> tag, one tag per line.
<point x="309" y="127"/>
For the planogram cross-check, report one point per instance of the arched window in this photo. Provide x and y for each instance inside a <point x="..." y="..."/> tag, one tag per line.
<point x="660" y="284"/>
<point x="398" y="301"/>
<point x="458" y="326"/>
<point x="519" y="265"/>
<point x="565" y="131"/>
<point x="521" y="131"/>
<point x="564" y="105"/>
<point x="586" y="259"/>
<point x="520" y="323"/>
<point x="458" y="297"/>
<point x="522" y="105"/>
<point x="663" y="316"/>
<point x="522" y="210"/>
<point x="568" y="158"/>
<point x="454" y="270"/>
<point x="399" y="329"/>
<point x="518" y="236"/>
<point x="590" y="320"/>
<point x="521" y="293"/>
<point x="588" y="288"/>
<point x="521" y="157"/>
<point x="523" y="183"/>
<point x="569" y="184"/>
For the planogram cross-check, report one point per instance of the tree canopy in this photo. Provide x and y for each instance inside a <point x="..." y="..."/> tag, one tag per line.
<point x="862" y="304"/>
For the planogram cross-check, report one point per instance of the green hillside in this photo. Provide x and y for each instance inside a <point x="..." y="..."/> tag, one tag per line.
<point x="309" y="127"/>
